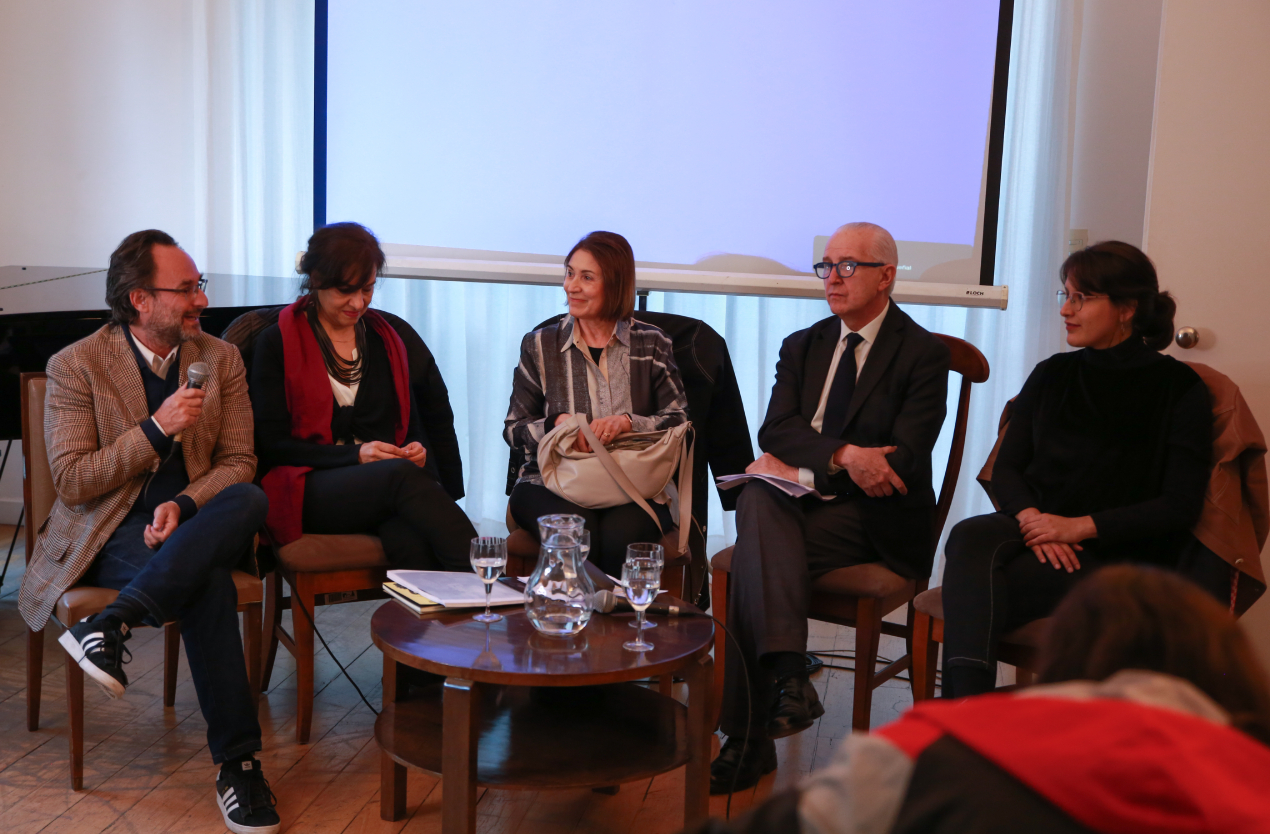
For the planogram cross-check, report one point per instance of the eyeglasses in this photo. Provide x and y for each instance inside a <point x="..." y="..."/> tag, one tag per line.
<point x="188" y="292"/>
<point x="846" y="269"/>
<point x="1078" y="299"/>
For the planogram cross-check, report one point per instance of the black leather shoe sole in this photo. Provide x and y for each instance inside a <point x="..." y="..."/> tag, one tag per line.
<point x="721" y="778"/>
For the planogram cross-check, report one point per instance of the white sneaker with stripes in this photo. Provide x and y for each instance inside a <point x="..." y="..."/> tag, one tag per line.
<point x="97" y="646"/>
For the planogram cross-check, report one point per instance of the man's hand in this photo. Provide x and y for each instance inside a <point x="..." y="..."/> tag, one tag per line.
<point x="181" y="410"/>
<point x="870" y="470"/>
<point x="378" y="450"/>
<point x="166" y="516"/>
<point x="769" y="464"/>
<point x="415" y="453"/>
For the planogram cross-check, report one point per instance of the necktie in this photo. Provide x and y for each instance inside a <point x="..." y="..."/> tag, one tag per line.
<point x="841" y="389"/>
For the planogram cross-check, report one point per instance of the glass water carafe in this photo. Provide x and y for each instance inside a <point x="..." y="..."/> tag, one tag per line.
<point x="558" y="594"/>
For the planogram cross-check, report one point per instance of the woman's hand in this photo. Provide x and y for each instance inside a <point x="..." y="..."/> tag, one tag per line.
<point x="605" y="428"/>
<point x="378" y="450"/>
<point x="1045" y="528"/>
<point x="1061" y="556"/>
<point x="415" y="453"/>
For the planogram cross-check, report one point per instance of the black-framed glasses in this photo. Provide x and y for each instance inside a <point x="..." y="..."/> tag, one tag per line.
<point x="1078" y="299"/>
<point x="845" y="268"/>
<point x="199" y="286"/>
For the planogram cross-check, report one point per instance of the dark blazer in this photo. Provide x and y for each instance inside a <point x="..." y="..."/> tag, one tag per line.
<point x="899" y="400"/>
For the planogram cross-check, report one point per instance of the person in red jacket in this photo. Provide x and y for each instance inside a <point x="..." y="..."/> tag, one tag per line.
<point x="1153" y="715"/>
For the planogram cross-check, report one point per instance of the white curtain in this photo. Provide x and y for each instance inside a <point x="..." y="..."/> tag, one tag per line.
<point x="253" y="75"/>
<point x="259" y="110"/>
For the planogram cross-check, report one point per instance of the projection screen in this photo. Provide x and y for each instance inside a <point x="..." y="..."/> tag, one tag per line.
<point x="725" y="140"/>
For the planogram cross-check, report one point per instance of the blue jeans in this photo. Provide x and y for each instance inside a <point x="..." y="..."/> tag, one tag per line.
<point x="188" y="578"/>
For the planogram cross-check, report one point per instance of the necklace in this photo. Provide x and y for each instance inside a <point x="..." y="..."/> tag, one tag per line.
<point x="347" y="371"/>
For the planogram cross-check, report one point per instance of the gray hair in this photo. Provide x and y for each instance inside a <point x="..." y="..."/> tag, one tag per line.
<point x="881" y="247"/>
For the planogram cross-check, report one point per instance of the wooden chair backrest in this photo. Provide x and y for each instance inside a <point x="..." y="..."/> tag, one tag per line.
<point x="38" y="493"/>
<point x="968" y="361"/>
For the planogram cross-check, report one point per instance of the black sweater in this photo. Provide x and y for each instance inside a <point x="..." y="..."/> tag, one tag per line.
<point x="1123" y="435"/>
<point x="372" y="416"/>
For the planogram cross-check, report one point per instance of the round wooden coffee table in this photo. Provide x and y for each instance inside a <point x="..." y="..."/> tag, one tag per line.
<point x="522" y="710"/>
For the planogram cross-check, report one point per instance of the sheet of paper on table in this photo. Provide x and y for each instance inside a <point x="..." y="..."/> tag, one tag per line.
<point x="792" y="488"/>
<point x="454" y="589"/>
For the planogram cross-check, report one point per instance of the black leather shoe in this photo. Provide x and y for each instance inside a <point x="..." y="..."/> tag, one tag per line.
<point x="730" y="772"/>
<point x="795" y="709"/>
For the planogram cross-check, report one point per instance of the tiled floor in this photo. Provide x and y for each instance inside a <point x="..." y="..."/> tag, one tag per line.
<point x="146" y="768"/>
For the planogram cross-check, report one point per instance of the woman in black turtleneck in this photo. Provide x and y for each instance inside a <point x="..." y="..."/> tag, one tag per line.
<point x="1106" y="459"/>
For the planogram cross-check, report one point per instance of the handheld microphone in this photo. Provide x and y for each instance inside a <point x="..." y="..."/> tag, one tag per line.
<point x="195" y="377"/>
<point x="606" y="602"/>
<point x="196" y="374"/>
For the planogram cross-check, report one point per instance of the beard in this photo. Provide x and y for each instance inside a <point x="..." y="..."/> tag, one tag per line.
<point x="168" y="327"/>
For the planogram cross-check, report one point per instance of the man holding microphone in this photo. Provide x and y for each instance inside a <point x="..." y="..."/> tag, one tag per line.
<point x="149" y="435"/>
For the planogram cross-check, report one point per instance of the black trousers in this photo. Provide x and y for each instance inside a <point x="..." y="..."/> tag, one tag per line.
<point x="416" y="519"/>
<point x="782" y="544"/>
<point x="993" y="583"/>
<point x="612" y="529"/>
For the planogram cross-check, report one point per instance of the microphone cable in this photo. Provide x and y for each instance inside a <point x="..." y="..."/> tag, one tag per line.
<point x="296" y="601"/>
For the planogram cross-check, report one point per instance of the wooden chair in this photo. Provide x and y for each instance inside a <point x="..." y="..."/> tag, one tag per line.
<point x="1018" y="648"/>
<point x="321" y="570"/>
<point x="38" y="495"/>
<point x="860" y="596"/>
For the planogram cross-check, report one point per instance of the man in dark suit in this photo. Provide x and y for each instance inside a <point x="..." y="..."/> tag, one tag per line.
<point x="856" y="409"/>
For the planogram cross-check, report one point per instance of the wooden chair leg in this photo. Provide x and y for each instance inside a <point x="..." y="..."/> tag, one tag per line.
<point x="719" y="607"/>
<point x="251" y="646"/>
<point x="171" y="661"/>
<point x="867" y="633"/>
<point x="273" y="621"/>
<point x="302" y="631"/>
<point x="34" y="676"/>
<point x="925" y="658"/>
<point x="75" y="716"/>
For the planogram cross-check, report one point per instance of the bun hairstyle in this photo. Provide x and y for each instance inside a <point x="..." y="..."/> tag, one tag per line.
<point x="342" y="255"/>
<point x="1125" y="274"/>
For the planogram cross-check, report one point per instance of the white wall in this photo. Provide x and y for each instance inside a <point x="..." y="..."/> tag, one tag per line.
<point x="78" y="78"/>
<point x="1114" y="110"/>
<point x="1208" y="213"/>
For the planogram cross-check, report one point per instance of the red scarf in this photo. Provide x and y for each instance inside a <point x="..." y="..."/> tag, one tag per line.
<point x="1114" y="766"/>
<point x="312" y="405"/>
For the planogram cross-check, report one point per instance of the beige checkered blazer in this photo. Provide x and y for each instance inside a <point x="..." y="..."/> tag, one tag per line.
<point x="100" y="457"/>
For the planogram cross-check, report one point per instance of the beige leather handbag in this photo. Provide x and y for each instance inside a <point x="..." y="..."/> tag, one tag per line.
<point x="635" y="466"/>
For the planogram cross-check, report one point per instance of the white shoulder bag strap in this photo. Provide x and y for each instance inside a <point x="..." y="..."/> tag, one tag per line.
<point x="615" y="471"/>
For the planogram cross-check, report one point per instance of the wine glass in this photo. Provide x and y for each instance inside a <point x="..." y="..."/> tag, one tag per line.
<point x="645" y="550"/>
<point x="489" y="557"/>
<point x="642" y="580"/>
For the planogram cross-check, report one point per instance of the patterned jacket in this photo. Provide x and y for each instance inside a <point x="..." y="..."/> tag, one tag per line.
<point x="556" y="376"/>
<point x="100" y="457"/>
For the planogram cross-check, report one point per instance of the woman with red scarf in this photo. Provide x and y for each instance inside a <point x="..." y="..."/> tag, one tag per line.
<point x="336" y="422"/>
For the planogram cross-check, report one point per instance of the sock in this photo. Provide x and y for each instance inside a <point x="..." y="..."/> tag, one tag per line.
<point x="126" y="610"/>
<point x="785" y="664"/>
<point x="964" y="681"/>
<point x="236" y="763"/>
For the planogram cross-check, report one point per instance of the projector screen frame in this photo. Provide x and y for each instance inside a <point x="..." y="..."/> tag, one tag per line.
<point x="992" y="167"/>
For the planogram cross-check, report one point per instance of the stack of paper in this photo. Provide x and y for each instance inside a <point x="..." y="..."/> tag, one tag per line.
<point x="422" y="589"/>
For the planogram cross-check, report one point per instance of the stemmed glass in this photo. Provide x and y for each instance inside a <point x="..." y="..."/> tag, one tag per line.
<point x="642" y="580"/>
<point x="645" y="550"/>
<point x="489" y="557"/>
